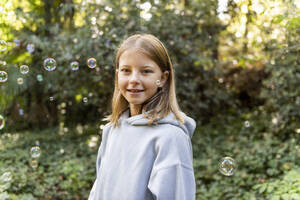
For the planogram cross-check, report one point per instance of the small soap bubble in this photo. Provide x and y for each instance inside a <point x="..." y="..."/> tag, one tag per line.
<point x="17" y="43"/>
<point x="37" y="143"/>
<point x="227" y="166"/>
<point x="34" y="164"/>
<point x="20" y="81"/>
<point x="74" y="65"/>
<point x="21" y="111"/>
<point x="24" y="69"/>
<point x="39" y="77"/>
<point x="298" y="100"/>
<point x="92" y="63"/>
<point x="272" y="62"/>
<point x="2" y="122"/>
<point x="247" y="124"/>
<point x="3" y="76"/>
<point x="3" y="45"/>
<point x="30" y="48"/>
<point x="85" y="99"/>
<point x="35" y="152"/>
<point x="49" y="64"/>
<point x="6" y="177"/>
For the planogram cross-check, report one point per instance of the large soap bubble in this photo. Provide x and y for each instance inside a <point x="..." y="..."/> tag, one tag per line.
<point x="74" y="65"/>
<point x="3" y="76"/>
<point x="2" y="122"/>
<point x="3" y="45"/>
<point x="227" y="166"/>
<point x="49" y="64"/>
<point x="35" y="152"/>
<point x="24" y="69"/>
<point x="92" y="63"/>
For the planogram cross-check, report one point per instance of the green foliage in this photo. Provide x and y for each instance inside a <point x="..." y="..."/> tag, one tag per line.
<point x="66" y="168"/>
<point x="78" y="31"/>
<point x="281" y="90"/>
<point x="287" y="187"/>
<point x="209" y="88"/>
<point x="260" y="156"/>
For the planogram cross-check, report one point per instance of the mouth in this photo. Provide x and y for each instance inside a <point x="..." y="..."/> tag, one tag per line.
<point x="135" y="91"/>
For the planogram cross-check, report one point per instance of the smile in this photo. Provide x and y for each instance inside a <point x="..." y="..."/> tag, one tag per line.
<point x="135" y="91"/>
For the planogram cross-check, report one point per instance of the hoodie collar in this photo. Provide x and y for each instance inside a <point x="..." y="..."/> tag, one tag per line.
<point x="139" y="120"/>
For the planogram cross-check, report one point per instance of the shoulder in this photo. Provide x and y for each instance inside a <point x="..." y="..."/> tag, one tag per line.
<point x="106" y="128"/>
<point x="169" y="134"/>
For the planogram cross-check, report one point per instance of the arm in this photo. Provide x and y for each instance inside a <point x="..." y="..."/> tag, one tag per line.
<point x="99" y="158"/>
<point x="175" y="182"/>
<point x="172" y="176"/>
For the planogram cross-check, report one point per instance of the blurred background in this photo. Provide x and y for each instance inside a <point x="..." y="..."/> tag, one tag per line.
<point x="237" y="68"/>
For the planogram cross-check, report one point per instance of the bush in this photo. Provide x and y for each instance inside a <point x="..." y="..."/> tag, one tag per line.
<point x="66" y="166"/>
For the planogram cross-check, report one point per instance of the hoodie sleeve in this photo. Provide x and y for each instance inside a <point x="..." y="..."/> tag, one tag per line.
<point x="172" y="176"/>
<point x="99" y="158"/>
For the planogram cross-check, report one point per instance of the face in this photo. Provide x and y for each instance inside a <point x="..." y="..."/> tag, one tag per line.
<point x="137" y="77"/>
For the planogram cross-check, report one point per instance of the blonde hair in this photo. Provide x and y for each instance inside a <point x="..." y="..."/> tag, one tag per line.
<point x="161" y="103"/>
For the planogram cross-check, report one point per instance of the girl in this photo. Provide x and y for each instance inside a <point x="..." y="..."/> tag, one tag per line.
<point x="146" y="151"/>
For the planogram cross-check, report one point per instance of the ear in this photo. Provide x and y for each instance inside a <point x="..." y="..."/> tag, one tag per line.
<point x="164" y="77"/>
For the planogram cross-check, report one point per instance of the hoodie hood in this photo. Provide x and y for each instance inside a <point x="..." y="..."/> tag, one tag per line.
<point x="139" y="120"/>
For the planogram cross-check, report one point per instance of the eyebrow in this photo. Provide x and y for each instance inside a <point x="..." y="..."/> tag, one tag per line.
<point x="144" y="66"/>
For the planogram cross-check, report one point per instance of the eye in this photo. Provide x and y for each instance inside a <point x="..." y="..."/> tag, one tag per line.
<point x="147" y="71"/>
<point x="124" y="70"/>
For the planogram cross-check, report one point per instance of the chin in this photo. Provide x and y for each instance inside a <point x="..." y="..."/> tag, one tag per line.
<point x="136" y="102"/>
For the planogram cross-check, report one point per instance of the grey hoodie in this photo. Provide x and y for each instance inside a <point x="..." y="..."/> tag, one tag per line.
<point x="140" y="162"/>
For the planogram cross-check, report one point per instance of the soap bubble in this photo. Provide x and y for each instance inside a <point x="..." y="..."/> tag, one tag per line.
<point x="92" y="63"/>
<point x="30" y="48"/>
<point x="2" y="122"/>
<point x="227" y="166"/>
<point x="3" y="76"/>
<point x="24" y="69"/>
<point x="34" y="164"/>
<point x="21" y="111"/>
<point x="247" y="124"/>
<point x="39" y="77"/>
<point x="20" y="81"/>
<point x="6" y="177"/>
<point x="35" y="152"/>
<point x="17" y="43"/>
<point x="74" y="65"/>
<point x="85" y="99"/>
<point x="298" y="100"/>
<point x="37" y="143"/>
<point x="3" y="45"/>
<point x="49" y="64"/>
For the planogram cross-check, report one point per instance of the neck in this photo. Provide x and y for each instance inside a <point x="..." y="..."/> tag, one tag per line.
<point x="135" y="110"/>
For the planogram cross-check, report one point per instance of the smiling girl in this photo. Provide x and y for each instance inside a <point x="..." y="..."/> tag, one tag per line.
<point x="146" y="150"/>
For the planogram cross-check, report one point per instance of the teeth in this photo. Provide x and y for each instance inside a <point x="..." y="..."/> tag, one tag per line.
<point x="135" y="90"/>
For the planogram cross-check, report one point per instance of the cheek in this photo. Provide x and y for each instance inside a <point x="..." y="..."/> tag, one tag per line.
<point x="121" y="82"/>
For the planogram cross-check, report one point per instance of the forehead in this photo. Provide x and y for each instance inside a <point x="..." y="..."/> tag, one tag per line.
<point x="134" y="57"/>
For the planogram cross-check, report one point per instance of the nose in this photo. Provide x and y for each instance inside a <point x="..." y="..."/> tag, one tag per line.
<point x="134" y="78"/>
